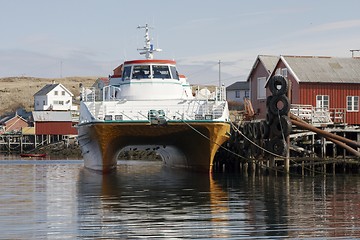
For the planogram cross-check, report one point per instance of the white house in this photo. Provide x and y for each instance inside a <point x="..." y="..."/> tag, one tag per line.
<point x="237" y="91"/>
<point x="53" y="97"/>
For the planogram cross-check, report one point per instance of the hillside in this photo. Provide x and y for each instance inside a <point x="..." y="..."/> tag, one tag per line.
<point x="18" y="92"/>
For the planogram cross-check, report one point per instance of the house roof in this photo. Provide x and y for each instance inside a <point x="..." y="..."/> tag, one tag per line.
<point x="241" y="85"/>
<point x="49" y="87"/>
<point x="5" y="119"/>
<point x="322" y="69"/>
<point x="52" y="116"/>
<point x="268" y="61"/>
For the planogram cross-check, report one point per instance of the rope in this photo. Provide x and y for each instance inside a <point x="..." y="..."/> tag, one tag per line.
<point x="252" y="160"/>
<point x="228" y="150"/>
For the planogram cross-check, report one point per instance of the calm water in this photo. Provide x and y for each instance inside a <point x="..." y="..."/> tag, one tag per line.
<point x="62" y="200"/>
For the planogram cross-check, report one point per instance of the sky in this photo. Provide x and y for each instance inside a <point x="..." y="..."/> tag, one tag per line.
<point x="65" y="38"/>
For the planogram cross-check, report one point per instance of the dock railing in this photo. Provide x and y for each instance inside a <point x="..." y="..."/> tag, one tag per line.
<point x="310" y="114"/>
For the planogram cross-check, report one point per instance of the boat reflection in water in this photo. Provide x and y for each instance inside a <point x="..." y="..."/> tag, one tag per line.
<point x="146" y="199"/>
<point x="152" y="200"/>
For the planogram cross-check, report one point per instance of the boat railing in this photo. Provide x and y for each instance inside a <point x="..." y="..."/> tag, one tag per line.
<point x="193" y="110"/>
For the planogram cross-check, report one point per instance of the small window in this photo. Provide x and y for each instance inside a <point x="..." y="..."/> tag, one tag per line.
<point x="44" y="102"/>
<point x="284" y="72"/>
<point x="261" y="90"/>
<point x="237" y="94"/>
<point x="126" y="73"/>
<point x="37" y="103"/>
<point x="63" y="93"/>
<point x="141" y="71"/>
<point x="352" y="103"/>
<point x="322" y="101"/>
<point x="161" y="71"/>
<point x="58" y="102"/>
<point x="247" y="94"/>
<point x="174" y="73"/>
<point x="56" y="93"/>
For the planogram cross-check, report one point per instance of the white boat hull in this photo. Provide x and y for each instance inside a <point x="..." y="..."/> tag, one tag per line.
<point x="186" y="145"/>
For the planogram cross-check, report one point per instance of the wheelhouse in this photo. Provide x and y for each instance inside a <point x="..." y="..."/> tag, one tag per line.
<point x="154" y="69"/>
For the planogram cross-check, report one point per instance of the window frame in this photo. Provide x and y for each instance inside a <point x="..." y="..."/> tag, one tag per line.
<point x="354" y="103"/>
<point x="263" y="91"/>
<point x="321" y="99"/>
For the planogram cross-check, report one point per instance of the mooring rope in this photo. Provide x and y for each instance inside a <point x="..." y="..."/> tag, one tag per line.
<point x="248" y="160"/>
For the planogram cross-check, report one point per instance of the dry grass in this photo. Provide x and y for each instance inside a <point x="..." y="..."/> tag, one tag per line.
<point x="18" y="92"/>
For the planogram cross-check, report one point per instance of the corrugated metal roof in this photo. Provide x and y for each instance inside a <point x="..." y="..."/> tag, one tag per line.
<point x="324" y="69"/>
<point x="241" y="85"/>
<point x="269" y="61"/>
<point x="52" y="116"/>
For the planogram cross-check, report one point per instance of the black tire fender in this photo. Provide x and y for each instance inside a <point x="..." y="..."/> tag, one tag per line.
<point x="277" y="146"/>
<point x="279" y="105"/>
<point x="281" y="126"/>
<point x="264" y="129"/>
<point x="256" y="130"/>
<point x="278" y="85"/>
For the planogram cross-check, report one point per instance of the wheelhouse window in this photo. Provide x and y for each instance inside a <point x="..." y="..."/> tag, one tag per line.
<point x="174" y="73"/>
<point x="161" y="71"/>
<point x="352" y="103"/>
<point x="322" y="101"/>
<point x="126" y="73"/>
<point x="141" y="71"/>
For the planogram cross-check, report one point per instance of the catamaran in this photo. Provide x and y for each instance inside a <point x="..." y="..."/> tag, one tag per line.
<point x="148" y="104"/>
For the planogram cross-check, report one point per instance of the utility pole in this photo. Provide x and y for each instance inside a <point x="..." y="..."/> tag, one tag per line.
<point x="60" y="69"/>
<point x="219" y="73"/>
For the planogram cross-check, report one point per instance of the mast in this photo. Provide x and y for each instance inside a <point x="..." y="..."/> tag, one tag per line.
<point x="148" y="49"/>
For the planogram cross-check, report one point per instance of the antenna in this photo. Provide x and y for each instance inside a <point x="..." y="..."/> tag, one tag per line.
<point x="148" y="49"/>
<point x="354" y="50"/>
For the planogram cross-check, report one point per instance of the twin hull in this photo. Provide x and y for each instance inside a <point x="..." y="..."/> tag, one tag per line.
<point x="191" y="144"/>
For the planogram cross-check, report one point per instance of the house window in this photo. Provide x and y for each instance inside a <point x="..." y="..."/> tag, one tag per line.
<point x="322" y="101"/>
<point x="37" y="103"/>
<point x="352" y="103"/>
<point x="237" y="94"/>
<point x="284" y="72"/>
<point x="58" y="102"/>
<point x="261" y="91"/>
<point x="63" y="93"/>
<point x="56" y="93"/>
<point x="44" y="102"/>
<point x="247" y="94"/>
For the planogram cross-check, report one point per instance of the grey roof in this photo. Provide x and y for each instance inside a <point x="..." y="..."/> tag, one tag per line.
<point x="52" y="116"/>
<point x="238" y="86"/>
<point x="323" y="69"/>
<point x="48" y="87"/>
<point x="269" y="61"/>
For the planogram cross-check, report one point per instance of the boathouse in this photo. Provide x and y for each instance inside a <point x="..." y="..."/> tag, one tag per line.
<point x="260" y="72"/>
<point x="53" y="123"/>
<point x="324" y="83"/>
<point x="54" y="97"/>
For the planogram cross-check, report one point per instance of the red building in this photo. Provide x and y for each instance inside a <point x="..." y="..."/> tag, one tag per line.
<point x="260" y="72"/>
<point x="53" y="123"/>
<point x="322" y="82"/>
